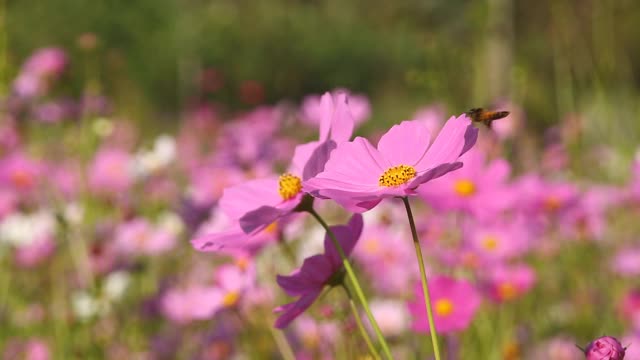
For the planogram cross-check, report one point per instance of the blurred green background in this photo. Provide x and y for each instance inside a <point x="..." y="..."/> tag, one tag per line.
<point x="553" y="57"/>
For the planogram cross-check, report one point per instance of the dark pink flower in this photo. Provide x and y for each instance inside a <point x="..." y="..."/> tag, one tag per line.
<point x="455" y="303"/>
<point x="316" y="272"/>
<point x="605" y="348"/>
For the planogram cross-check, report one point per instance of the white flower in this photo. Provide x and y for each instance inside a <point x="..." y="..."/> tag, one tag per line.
<point x="84" y="305"/>
<point x="115" y="285"/>
<point x="160" y="156"/>
<point x="171" y="223"/>
<point x="391" y="315"/>
<point x="21" y="229"/>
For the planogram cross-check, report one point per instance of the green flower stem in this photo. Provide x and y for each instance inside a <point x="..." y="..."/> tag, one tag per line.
<point x="356" y="284"/>
<point x="363" y="331"/>
<point x="423" y="278"/>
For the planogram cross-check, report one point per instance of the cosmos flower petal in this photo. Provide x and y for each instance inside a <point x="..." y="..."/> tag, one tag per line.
<point x="356" y="162"/>
<point x="405" y="143"/>
<point x="238" y="200"/>
<point x="347" y="236"/>
<point x="292" y="310"/>
<point x="456" y="137"/>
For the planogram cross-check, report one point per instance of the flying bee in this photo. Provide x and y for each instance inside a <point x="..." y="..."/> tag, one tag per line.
<point x="486" y="116"/>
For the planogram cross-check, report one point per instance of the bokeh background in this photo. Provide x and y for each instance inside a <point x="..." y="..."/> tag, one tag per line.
<point x="569" y="70"/>
<point x="551" y="57"/>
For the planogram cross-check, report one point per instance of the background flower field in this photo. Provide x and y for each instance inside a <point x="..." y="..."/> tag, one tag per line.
<point x="128" y="130"/>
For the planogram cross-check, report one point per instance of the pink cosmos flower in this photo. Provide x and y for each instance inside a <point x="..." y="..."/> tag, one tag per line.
<point x="479" y="189"/>
<point x="44" y="63"/>
<point x="498" y="241"/>
<point x="506" y="283"/>
<point x="384" y="254"/>
<point x="605" y="348"/>
<point x="200" y="302"/>
<point x="316" y="272"/>
<point x="138" y="236"/>
<point x="629" y="308"/>
<point x="258" y="203"/>
<point x="20" y="172"/>
<point x="111" y="172"/>
<point x="358" y="176"/>
<point x="455" y="303"/>
<point x="314" y="107"/>
<point x="627" y="262"/>
<point x="34" y="252"/>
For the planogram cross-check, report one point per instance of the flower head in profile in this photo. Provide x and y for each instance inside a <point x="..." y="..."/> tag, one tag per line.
<point x="316" y="272"/>
<point x="358" y="175"/>
<point x="455" y="303"/>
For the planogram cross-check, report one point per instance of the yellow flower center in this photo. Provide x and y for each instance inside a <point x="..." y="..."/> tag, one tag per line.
<point x="464" y="187"/>
<point x="552" y="203"/>
<point x="507" y="291"/>
<point x="444" y="307"/>
<point x="230" y="298"/>
<point x="490" y="242"/>
<point x="397" y="175"/>
<point x="290" y="186"/>
<point x="271" y="228"/>
<point x="242" y="263"/>
<point x="372" y="246"/>
<point x="21" y="179"/>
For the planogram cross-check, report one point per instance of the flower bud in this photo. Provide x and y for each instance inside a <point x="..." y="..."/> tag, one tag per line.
<point x="605" y="348"/>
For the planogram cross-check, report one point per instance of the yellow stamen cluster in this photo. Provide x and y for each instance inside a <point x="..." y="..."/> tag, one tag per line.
<point x="444" y="307"/>
<point x="464" y="187"/>
<point x="397" y="176"/>
<point x="507" y="291"/>
<point x="230" y="298"/>
<point x="490" y="242"/>
<point x="289" y="186"/>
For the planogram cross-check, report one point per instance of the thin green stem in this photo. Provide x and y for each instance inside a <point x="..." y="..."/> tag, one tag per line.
<point x="423" y="278"/>
<point x="356" y="284"/>
<point x="363" y="331"/>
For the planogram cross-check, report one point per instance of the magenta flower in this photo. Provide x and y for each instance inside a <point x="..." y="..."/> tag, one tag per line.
<point x="605" y="348"/>
<point x="627" y="262"/>
<point x="498" y="241"/>
<point x="316" y="272"/>
<point x="455" y="303"/>
<point x="20" y="173"/>
<point x="358" y="176"/>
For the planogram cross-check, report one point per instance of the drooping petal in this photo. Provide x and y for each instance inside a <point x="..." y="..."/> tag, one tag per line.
<point x="342" y="123"/>
<point x="347" y="237"/>
<point x="292" y="310"/>
<point x="405" y="143"/>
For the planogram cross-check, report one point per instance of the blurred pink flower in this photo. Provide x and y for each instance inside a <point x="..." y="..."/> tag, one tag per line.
<point x="139" y="237"/>
<point x="35" y="252"/>
<point x="508" y="282"/>
<point x="20" y="172"/>
<point x="499" y="241"/>
<point x="384" y="254"/>
<point x="432" y="117"/>
<point x="42" y="65"/>
<point x="316" y="272"/>
<point x="111" y="172"/>
<point x="455" y="303"/>
<point x="358" y="176"/>
<point x="314" y="107"/>
<point x="627" y="262"/>
<point x="629" y="308"/>
<point x="479" y="189"/>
